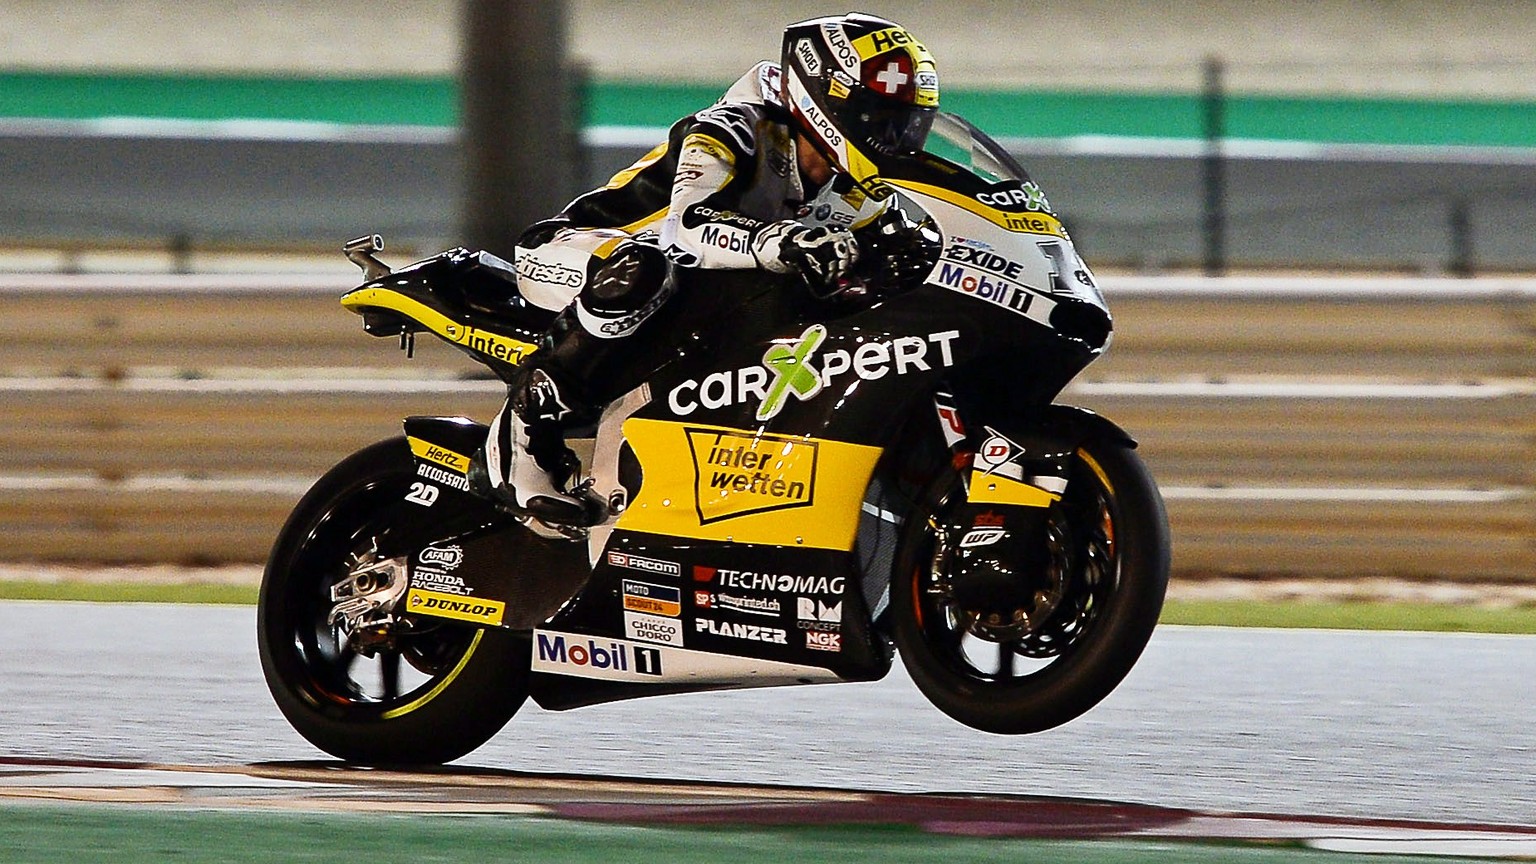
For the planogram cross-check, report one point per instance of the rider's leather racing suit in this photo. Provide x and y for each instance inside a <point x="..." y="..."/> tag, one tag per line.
<point x="706" y="197"/>
<point x="718" y="193"/>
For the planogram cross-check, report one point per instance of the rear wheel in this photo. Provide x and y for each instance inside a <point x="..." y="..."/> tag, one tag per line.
<point x="1100" y="594"/>
<point x="407" y="690"/>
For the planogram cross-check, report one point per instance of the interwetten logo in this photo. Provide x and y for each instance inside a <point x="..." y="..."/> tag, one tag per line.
<point x="738" y="474"/>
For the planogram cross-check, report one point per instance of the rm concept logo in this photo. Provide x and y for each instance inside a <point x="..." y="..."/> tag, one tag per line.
<point x="738" y="474"/>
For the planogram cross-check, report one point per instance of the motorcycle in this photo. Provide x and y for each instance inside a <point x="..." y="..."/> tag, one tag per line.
<point x="796" y="490"/>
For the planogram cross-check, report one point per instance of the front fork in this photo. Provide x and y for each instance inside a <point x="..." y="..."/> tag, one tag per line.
<point x="997" y="558"/>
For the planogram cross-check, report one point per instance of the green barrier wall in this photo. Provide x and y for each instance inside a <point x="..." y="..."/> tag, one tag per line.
<point x="1050" y="114"/>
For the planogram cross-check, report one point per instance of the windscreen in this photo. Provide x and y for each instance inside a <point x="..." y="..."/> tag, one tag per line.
<point x="955" y="139"/>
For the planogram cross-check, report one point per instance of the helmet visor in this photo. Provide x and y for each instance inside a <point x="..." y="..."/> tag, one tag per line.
<point x="892" y="129"/>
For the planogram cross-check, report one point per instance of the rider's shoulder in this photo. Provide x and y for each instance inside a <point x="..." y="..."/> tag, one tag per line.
<point x="734" y="117"/>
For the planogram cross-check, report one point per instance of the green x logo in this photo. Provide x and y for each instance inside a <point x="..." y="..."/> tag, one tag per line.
<point x="791" y="371"/>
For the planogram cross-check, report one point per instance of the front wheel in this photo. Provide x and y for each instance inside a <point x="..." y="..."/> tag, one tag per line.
<point x="407" y="691"/>
<point x="1106" y="573"/>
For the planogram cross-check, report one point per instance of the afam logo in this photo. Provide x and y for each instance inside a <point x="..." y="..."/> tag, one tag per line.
<point x="446" y="557"/>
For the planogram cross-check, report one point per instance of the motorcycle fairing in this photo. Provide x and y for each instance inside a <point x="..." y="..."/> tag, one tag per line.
<point x="707" y="482"/>
<point x="1042" y="279"/>
<point x="707" y="616"/>
<point x="786" y="398"/>
<point x="469" y="299"/>
<point x="1028" y="466"/>
<point x="458" y="544"/>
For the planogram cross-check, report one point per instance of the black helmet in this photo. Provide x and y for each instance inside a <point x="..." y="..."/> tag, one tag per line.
<point x="860" y="87"/>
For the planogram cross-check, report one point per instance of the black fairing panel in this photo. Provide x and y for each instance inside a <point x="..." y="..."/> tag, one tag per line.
<point x="462" y="545"/>
<point x="466" y="286"/>
<point x="471" y="291"/>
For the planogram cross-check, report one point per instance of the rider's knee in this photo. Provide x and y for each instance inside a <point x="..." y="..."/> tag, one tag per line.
<point x="627" y="280"/>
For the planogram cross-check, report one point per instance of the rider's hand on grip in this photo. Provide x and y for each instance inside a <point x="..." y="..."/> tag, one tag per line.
<point x="823" y="256"/>
<point x="898" y="252"/>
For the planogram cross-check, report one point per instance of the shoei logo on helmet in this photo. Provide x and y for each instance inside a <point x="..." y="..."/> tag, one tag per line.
<point x="805" y="52"/>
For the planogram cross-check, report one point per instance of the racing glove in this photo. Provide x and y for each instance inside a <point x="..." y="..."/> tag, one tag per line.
<point x="897" y="253"/>
<point x="822" y="256"/>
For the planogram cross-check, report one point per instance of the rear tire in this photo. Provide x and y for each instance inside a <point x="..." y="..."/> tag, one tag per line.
<point x="1113" y="546"/>
<point x="433" y="693"/>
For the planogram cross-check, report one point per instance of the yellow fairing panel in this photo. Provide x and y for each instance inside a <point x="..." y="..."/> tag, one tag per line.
<point x="718" y="483"/>
<point x="996" y="489"/>
<point x="441" y="455"/>
<point x="503" y="348"/>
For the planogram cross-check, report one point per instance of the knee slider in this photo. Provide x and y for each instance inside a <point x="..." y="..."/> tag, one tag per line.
<point x="626" y="280"/>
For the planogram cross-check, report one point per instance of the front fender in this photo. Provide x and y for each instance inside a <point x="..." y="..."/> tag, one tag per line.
<point x="1080" y="424"/>
<point x="1028" y="463"/>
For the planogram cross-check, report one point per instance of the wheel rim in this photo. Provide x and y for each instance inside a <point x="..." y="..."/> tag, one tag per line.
<point x="391" y="670"/>
<point x="1084" y="566"/>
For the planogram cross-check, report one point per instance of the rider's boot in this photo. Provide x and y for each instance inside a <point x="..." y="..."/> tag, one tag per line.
<point x="527" y="465"/>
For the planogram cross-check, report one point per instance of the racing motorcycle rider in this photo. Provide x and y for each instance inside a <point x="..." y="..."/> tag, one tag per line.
<point x="772" y="176"/>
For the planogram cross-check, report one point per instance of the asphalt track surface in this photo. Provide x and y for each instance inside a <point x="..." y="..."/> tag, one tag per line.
<point x="1348" y="724"/>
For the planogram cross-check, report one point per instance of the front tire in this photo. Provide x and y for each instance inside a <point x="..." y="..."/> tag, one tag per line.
<point x="428" y="690"/>
<point x="1110" y="543"/>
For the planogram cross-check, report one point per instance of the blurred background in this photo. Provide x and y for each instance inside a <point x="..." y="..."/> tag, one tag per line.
<point x="1389" y="134"/>
<point x="1313" y="220"/>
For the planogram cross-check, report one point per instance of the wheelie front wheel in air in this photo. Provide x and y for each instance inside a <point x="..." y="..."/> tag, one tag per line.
<point x="1100" y="588"/>
<point x="403" y="690"/>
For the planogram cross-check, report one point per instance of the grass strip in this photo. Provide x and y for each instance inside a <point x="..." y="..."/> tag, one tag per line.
<point x="1352" y="615"/>
<point x="81" y="834"/>
<point x="1429" y="617"/>
<point x="130" y="592"/>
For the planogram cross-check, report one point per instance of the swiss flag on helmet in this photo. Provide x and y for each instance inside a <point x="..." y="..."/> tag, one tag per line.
<point x="890" y="75"/>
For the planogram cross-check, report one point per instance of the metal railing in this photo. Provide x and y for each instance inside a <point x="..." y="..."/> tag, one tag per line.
<point x="1305" y="427"/>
